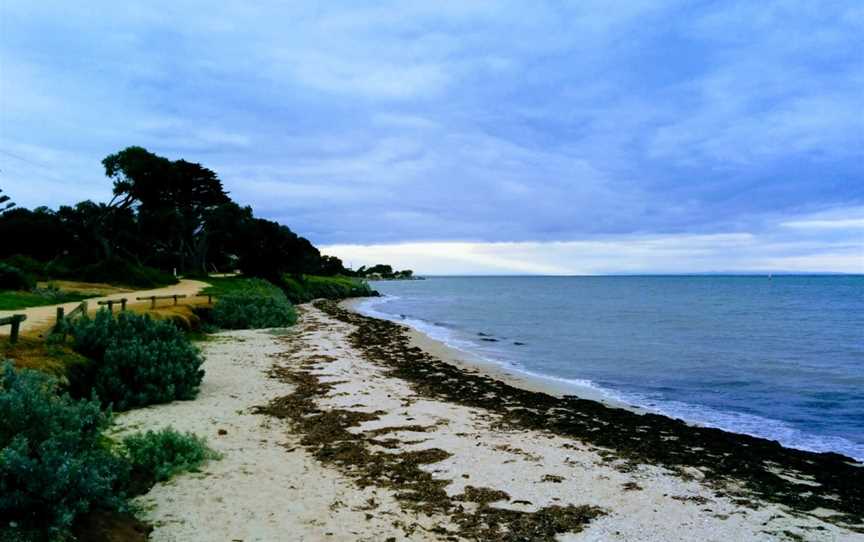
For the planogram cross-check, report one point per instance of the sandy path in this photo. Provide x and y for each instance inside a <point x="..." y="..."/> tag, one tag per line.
<point x="268" y="487"/>
<point x="41" y="318"/>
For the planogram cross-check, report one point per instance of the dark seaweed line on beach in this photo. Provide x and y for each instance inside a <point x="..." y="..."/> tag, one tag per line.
<point x="636" y="438"/>
<point x="327" y="435"/>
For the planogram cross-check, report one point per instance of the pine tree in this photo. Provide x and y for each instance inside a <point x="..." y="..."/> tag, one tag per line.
<point x="5" y="204"/>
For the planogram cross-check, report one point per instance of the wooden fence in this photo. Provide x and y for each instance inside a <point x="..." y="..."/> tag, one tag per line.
<point x="175" y="297"/>
<point x="111" y="302"/>
<point x="14" y="321"/>
<point x="81" y="310"/>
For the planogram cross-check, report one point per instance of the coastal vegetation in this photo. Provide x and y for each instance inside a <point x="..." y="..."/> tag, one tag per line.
<point x="156" y="456"/>
<point x="35" y="297"/>
<point x="12" y="278"/>
<point x="252" y="304"/>
<point x="384" y="272"/>
<point x="301" y="289"/>
<point x="54" y="463"/>
<point x="57" y="462"/>
<point x="133" y="361"/>
<point x="165" y="219"/>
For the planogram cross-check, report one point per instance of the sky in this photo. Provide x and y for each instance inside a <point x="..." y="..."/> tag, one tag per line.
<point x="467" y="137"/>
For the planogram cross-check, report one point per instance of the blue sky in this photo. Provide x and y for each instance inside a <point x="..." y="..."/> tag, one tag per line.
<point x="468" y="137"/>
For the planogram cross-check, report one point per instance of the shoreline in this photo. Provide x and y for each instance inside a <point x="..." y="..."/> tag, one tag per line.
<point x="342" y="427"/>
<point x="473" y="363"/>
<point x="763" y="466"/>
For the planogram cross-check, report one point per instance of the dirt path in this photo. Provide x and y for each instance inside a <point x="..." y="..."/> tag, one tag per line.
<point x="42" y="318"/>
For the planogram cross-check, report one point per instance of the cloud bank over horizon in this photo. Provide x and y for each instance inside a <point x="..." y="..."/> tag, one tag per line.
<point x="469" y="137"/>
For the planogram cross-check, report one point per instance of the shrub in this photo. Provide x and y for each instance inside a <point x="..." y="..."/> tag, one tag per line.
<point x="159" y="455"/>
<point x="253" y="304"/>
<point x="136" y="361"/>
<point x="309" y="287"/>
<point x="53" y="461"/>
<point x="119" y="271"/>
<point x="12" y="278"/>
<point x="28" y="265"/>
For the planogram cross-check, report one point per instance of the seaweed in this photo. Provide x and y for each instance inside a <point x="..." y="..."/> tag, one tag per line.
<point x="326" y="435"/>
<point x="723" y="457"/>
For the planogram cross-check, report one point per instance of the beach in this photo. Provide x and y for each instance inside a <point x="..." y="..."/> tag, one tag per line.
<point x="344" y="428"/>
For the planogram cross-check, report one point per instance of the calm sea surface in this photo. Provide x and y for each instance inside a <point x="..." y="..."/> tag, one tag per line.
<point x="781" y="358"/>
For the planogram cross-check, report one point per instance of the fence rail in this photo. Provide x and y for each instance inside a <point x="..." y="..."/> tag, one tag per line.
<point x="111" y="302"/>
<point x="14" y="321"/>
<point x="175" y="297"/>
<point x="81" y="309"/>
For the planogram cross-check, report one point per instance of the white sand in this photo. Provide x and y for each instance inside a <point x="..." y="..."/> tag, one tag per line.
<point x="265" y="488"/>
<point x="268" y="488"/>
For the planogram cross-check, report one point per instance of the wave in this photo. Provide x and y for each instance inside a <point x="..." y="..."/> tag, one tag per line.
<point x="734" y="422"/>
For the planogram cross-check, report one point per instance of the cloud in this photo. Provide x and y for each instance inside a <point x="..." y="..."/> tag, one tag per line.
<point x="773" y="250"/>
<point x="484" y="122"/>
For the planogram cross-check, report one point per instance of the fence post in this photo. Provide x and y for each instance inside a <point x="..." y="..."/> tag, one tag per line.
<point x="60" y="313"/>
<point x="175" y="299"/>
<point x="13" y="335"/>
<point x="209" y="299"/>
<point x="153" y="302"/>
<point x="123" y="304"/>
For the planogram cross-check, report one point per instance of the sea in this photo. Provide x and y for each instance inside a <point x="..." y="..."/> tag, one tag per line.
<point x="777" y="357"/>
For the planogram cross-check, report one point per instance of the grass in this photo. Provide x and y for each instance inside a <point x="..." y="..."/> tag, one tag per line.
<point x="225" y="285"/>
<point x="298" y="290"/>
<point x="14" y="300"/>
<point x="36" y="353"/>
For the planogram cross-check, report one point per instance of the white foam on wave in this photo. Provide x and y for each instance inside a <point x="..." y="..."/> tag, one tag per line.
<point x="756" y="426"/>
<point x="734" y="422"/>
<point x="451" y="339"/>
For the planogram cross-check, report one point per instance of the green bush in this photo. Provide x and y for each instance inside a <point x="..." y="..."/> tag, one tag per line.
<point x="12" y="278"/>
<point x="311" y="287"/>
<point x="117" y="271"/>
<point x="54" y="464"/>
<point x="253" y="304"/>
<point x="136" y="361"/>
<point x="159" y="455"/>
<point x="28" y="265"/>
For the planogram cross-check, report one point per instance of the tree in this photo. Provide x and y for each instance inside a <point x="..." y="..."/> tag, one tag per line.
<point x="5" y="204"/>
<point x="331" y="266"/>
<point x="37" y="233"/>
<point x="174" y="202"/>
<point x="271" y="249"/>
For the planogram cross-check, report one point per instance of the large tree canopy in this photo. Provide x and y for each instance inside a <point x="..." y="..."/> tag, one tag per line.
<point x="164" y="214"/>
<point x="175" y="201"/>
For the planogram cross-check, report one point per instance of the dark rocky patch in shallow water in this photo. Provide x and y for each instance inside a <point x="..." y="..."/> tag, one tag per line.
<point x="636" y="438"/>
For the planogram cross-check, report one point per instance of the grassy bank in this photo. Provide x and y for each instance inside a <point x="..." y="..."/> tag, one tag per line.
<point x="298" y="289"/>
<point x="14" y="300"/>
<point x="308" y="287"/>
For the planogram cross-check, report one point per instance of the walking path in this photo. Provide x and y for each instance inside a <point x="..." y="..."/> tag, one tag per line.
<point x="42" y="318"/>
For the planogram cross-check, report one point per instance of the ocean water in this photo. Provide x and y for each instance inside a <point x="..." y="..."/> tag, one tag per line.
<point x="781" y="357"/>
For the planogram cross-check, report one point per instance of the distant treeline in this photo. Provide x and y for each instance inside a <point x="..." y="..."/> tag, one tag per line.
<point x="382" y="271"/>
<point x="164" y="215"/>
